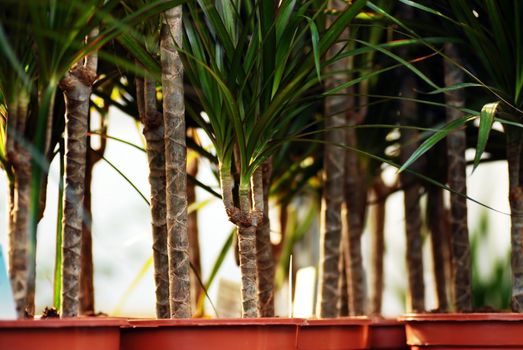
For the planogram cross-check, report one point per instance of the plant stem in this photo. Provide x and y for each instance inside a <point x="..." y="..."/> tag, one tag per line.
<point x="153" y="132"/>
<point x="76" y="85"/>
<point x="378" y="246"/>
<point x="514" y="158"/>
<point x="175" y="164"/>
<point x="354" y="188"/>
<point x="408" y="111"/>
<point x="192" y="228"/>
<point x="264" y="250"/>
<point x="332" y="198"/>
<point x="20" y="159"/>
<point x="457" y="180"/>
<point x="247" y="252"/>
<point x="436" y="216"/>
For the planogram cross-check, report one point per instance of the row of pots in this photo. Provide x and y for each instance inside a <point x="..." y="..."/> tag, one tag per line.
<point x="428" y="331"/>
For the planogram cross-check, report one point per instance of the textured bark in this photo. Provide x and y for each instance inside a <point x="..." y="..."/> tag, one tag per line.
<point x="436" y="223"/>
<point x="175" y="165"/>
<point x="11" y="214"/>
<point x="457" y="180"/>
<point x="153" y="132"/>
<point x="87" y="301"/>
<point x="416" y="287"/>
<point x="19" y="245"/>
<point x="86" y="252"/>
<point x="247" y="251"/>
<point x="353" y="198"/>
<point x="378" y="246"/>
<point x="515" y="170"/>
<point x="12" y="110"/>
<point x="332" y="196"/>
<point x="20" y="159"/>
<point x="344" y="275"/>
<point x="194" y="241"/>
<point x="76" y="86"/>
<point x="264" y="251"/>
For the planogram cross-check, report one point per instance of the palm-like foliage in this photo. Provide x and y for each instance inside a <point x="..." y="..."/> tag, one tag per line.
<point x="41" y="42"/>
<point x="493" y="49"/>
<point x="252" y="63"/>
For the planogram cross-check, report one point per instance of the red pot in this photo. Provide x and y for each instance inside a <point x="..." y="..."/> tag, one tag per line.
<point x="387" y="334"/>
<point x="334" y="334"/>
<point x="61" y="334"/>
<point x="486" y="331"/>
<point x="211" y="334"/>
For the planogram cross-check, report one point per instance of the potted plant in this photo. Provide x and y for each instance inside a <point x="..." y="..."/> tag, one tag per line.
<point x="491" y="41"/>
<point x="57" y="47"/>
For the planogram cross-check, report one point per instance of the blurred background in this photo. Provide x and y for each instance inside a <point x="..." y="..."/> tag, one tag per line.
<point x="124" y="284"/>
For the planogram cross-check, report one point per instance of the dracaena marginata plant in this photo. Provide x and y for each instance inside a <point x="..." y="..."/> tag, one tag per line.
<point x="491" y="61"/>
<point x="46" y="45"/>
<point x="252" y="63"/>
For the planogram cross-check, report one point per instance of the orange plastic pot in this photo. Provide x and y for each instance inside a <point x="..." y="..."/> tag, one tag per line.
<point x="387" y="334"/>
<point x="61" y="334"/>
<point x="485" y="331"/>
<point x="211" y="334"/>
<point x="334" y="334"/>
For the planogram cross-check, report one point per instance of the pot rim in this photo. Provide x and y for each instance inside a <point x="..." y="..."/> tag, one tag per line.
<point x="64" y="322"/>
<point x="340" y="321"/>
<point x="213" y="322"/>
<point x="462" y="317"/>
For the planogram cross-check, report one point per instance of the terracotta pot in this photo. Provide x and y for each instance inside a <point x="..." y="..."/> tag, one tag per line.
<point x="61" y="334"/>
<point x="487" y="331"/>
<point x="387" y="334"/>
<point x="334" y="334"/>
<point x="211" y="334"/>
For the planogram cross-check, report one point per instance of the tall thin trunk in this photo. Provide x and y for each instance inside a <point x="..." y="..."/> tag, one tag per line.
<point x="87" y="301"/>
<point x="264" y="250"/>
<point x="193" y="231"/>
<point x="11" y="214"/>
<point x="77" y="86"/>
<point x="20" y="159"/>
<point x="515" y="172"/>
<point x="175" y="164"/>
<point x="247" y="217"/>
<point x="457" y="179"/>
<point x="378" y="246"/>
<point x="247" y="252"/>
<point x="408" y="114"/>
<point x="20" y="264"/>
<point x="86" y="253"/>
<point x="153" y="132"/>
<point x="12" y="110"/>
<point x="344" y="276"/>
<point x="436" y="223"/>
<point x="354" y="187"/>
<point x="332" y="197"/>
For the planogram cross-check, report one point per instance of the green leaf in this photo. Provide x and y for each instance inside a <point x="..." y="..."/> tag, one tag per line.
<point x="315" y="36"/>
<point x="404" y="62"/>
<point x="57" y="282"/>
<point x="434" y="139"/>
<point x="127" y="180"/>
<point x="486" y="119"/>
<point x="454" y="87"/>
